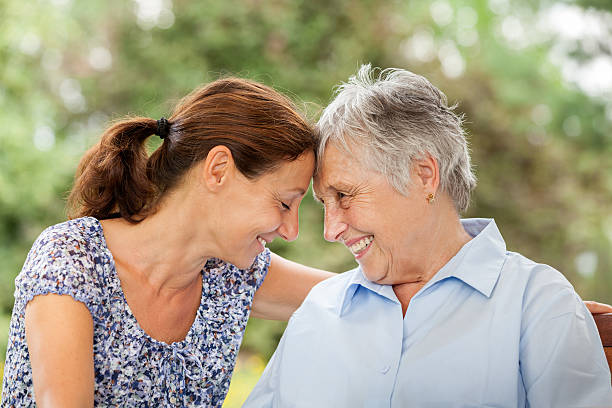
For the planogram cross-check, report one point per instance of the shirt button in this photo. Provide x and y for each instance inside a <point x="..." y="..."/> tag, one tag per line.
<point x="385" y="369"/>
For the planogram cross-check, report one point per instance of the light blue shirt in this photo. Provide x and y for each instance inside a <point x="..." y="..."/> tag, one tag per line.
<point x="490" y="329"/>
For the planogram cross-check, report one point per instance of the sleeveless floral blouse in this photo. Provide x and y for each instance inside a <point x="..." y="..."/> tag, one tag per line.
<point x="131" y="368"/>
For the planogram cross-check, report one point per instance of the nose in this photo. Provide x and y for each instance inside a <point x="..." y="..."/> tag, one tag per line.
<point x="334" y="226"/>
<point x="290" y="227"/>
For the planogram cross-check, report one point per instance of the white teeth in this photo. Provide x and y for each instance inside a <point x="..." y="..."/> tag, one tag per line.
<point x="261" y="241"/>
<point x="361" y="244"/>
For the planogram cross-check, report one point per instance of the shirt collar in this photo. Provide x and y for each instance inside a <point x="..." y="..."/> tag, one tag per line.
<point x="356" y="280"/>
<point x="478" y="264"/>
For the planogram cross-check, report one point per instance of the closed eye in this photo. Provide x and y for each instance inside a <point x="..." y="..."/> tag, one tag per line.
<point x="344" y="200"/>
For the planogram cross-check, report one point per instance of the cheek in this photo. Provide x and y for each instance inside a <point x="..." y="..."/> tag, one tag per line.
<point x="384" y="254"/>
<point x="268" y="219"/>
<point x="357" y="216"/>
<point x="245" y="226"/>
<point x="365" y="220"/>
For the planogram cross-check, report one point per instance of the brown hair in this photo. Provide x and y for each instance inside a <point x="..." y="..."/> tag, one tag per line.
<point x="260" y="127"/>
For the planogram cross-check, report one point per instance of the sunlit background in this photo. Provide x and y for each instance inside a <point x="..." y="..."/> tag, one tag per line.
<point x="534" y="79"/>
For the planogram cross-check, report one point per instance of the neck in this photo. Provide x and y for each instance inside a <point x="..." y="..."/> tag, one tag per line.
<point x="165" y="251"/>
<point x="445" y="237"/>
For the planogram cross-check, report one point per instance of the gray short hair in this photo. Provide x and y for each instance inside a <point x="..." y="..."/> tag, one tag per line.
<point x="395" y="117"/>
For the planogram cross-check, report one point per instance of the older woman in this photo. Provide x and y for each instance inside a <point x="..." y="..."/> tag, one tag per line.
<point x="138" y="301"/>
<point x="438" y="313"/>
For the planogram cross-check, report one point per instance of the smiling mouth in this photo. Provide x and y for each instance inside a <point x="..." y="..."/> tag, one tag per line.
<point x="360" y="246"/>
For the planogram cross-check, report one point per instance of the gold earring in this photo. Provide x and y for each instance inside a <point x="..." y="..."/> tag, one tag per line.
<point x="431" y="198"/>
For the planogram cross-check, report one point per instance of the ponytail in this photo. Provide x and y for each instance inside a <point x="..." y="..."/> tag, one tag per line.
<point x="112" y="175"/>
<point x="258" y="125"/>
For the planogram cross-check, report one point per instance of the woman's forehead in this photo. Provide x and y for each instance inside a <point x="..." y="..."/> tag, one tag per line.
<point x="335" y="159"/>
<point x="340" y="170"/>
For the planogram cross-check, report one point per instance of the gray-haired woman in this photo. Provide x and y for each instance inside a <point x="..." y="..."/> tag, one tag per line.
<point x="438" y="313"/>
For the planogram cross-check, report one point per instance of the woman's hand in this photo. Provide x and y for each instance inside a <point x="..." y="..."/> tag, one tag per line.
<point x="597" y="308"/>
<point x="284" y="288"/>
<point x="59" y="332"/>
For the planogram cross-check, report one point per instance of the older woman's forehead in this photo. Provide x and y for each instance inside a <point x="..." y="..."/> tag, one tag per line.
<point x="326" y="180"/>
<point x="335" y="157"/>
<point x="339" y="170"/>
<point x="334" y="166"/>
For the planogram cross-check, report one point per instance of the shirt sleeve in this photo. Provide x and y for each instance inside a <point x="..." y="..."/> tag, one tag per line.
<point x="260" y="267"/>
<point x="562" y="361"/>
<point x="58" y="264"/>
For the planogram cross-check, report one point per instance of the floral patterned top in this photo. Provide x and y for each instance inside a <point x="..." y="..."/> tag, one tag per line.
<point x="131" y="368"/>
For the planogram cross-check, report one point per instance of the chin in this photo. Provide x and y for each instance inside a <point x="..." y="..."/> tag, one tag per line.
<point x="371" y="277"/>
<point x="241" y="259"/>
<point x="375" y="277"/>
<point x="245" y="262"/>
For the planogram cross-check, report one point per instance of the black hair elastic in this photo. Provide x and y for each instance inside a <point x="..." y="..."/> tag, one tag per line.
<point x="163" y="128"/>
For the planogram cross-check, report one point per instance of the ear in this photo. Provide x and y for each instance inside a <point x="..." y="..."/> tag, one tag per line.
<point x="217" y="167"/>
<point x="427" y="173"/>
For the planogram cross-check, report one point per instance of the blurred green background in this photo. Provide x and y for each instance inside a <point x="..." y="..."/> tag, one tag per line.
<point x="534" y="79"/>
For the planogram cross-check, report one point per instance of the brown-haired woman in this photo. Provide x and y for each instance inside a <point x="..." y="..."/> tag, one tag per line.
<point x="138" y="300"/>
